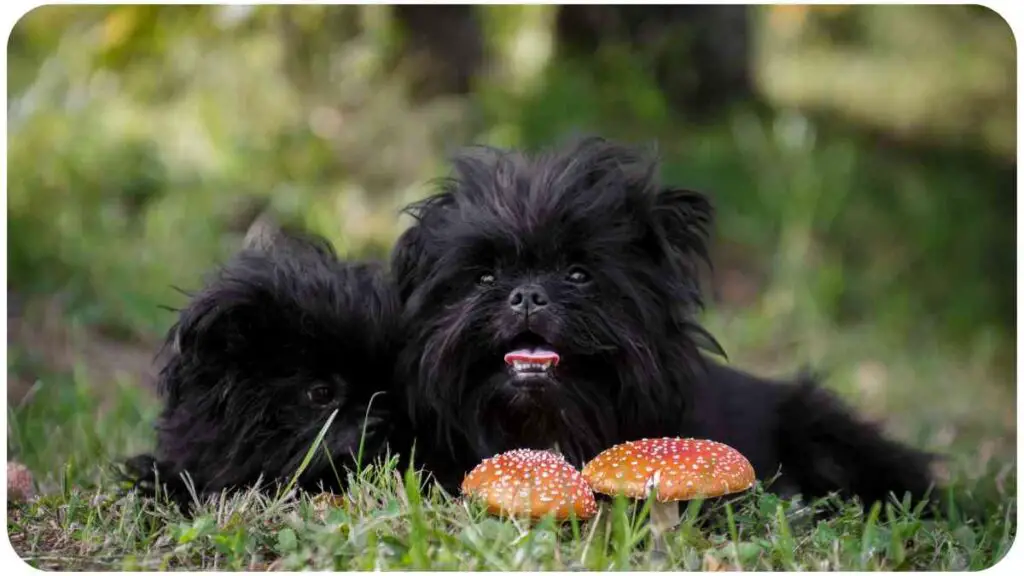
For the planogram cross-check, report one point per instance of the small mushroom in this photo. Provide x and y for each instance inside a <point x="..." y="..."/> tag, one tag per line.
<point x="531" y="483"/>
<point x="19" y="482"/>
<point x="675" y="469"/>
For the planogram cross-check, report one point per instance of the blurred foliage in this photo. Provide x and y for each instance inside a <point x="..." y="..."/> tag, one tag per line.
<point x="874" y="183"/>
<point x="940" y="72"/>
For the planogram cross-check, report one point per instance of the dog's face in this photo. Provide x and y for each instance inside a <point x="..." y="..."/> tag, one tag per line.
<point x="543" y="294"/>
<point x="284" y="337"/>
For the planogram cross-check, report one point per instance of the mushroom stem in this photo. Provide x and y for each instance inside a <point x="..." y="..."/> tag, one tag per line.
<point x="664" y="517"/>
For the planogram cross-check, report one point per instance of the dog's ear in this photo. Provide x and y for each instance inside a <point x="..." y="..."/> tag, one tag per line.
<point x="215" y="323"/>
<point x="235" y="318"/>
<point x="207" y="338"/>
<point x="410" y="258"/>
<point x="683" y="220"/>
<point x="262" y="234"/>
<point x="406" y="258"/>
<point x="279" y="276"/>
<point x="269" y="236"/>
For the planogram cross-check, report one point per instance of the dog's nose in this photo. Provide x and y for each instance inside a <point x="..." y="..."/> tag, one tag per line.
<point x="527" y="298"/>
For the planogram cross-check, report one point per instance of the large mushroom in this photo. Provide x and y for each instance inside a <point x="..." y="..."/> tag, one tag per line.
<point x="531" y="483"/>
<point x="675" y="469"/>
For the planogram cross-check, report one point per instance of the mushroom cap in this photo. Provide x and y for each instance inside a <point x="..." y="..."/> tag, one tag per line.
<point x="531" y="483"/>
<point x="19" y="482"/>
<point x="679" y="468"/>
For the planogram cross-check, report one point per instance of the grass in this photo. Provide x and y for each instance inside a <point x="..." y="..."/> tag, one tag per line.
<point x="389" y="522"/>
<point x="69" y="430"/>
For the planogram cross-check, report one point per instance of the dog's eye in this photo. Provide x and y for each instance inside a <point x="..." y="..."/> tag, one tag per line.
<point x="486" y="279"/>
<point x="578" y="275"/>
<point x="320" y="394"/>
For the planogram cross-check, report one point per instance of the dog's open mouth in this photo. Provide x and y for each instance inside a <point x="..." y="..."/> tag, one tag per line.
<point x="531" y="356"/>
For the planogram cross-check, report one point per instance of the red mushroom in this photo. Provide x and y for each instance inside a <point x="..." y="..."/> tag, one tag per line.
<point x="531" y="483"/>
<point x="674" y="469"/>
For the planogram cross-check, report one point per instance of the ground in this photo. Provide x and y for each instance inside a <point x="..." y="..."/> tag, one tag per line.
<point x="76" y="405"/>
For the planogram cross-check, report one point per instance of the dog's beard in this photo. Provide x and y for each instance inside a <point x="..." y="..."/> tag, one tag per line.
<point x="549" y="412"/>
<point x="550" y="381"/>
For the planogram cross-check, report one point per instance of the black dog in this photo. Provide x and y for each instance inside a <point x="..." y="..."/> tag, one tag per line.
<point x="282" y="337"/>
<point x="551" y="302"/>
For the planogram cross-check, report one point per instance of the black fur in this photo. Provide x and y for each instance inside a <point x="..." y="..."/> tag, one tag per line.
<point x="281" y="336"/>
<point x="616" y="257"/>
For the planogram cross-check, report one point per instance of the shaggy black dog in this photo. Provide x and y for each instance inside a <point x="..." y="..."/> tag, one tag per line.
<point x="551" y="302"/>
<point x="283" y="337"/>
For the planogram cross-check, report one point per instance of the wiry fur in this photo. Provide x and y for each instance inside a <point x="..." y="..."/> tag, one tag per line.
<point x="630" y="347"/>
<point x="283" y="317"/>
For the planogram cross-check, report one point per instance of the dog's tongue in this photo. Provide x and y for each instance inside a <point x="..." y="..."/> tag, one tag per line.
<point x="532" y="356"/>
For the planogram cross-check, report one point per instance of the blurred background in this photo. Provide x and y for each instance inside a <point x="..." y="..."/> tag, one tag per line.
<point x="862" y="161"/>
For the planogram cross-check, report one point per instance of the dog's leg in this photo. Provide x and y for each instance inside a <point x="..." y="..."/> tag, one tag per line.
<point x="826" y="448"/>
